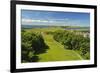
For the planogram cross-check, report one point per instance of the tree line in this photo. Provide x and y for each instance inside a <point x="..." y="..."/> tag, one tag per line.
<point x="74" y="41"/>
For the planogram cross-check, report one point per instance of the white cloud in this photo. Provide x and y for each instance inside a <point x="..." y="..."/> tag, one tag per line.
<point x="36" y="20"/>
<point x="49" y="22"/>
<point x="32" y="20"/>
<point x="64" y="22"/>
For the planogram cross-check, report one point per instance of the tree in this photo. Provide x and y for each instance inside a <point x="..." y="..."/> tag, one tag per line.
<point x="31" y="45"/>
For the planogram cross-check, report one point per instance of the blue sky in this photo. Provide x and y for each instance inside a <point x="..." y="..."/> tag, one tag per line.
<point x="35" y="17"/>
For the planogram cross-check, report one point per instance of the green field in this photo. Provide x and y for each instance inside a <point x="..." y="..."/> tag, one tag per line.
<point x="56" y="51"/>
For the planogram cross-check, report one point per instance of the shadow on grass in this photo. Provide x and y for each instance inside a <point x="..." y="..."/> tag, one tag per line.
<point x="41" y="50"/>
<point x="38" y="50"/>
<point x="34" y="59"/>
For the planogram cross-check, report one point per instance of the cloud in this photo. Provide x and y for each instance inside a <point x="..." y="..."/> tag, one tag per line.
<point x="32" y="20"/>
<point x="44" y="21"/>
<point x="64" y="22"/>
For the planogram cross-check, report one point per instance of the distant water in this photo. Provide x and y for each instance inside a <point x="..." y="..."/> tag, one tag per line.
<point x="33" y="26"/>
<point x="44" y="26"/>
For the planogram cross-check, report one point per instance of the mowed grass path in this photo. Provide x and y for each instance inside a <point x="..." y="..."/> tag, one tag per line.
<point x="56" y="51"/>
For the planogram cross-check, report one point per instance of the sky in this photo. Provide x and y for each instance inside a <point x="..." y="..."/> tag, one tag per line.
<point x="56" y="18"/>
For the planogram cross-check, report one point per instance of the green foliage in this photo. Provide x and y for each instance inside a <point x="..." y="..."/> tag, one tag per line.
<point x="85" y="48"/>
<point x="73" y="41"/>
<point x="31" y="44"/>
<point x="34" y="48"/>
<point x="58" y="36"/>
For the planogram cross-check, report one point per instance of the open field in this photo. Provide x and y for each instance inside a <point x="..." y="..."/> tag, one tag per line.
<point x="56" y="51"/>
